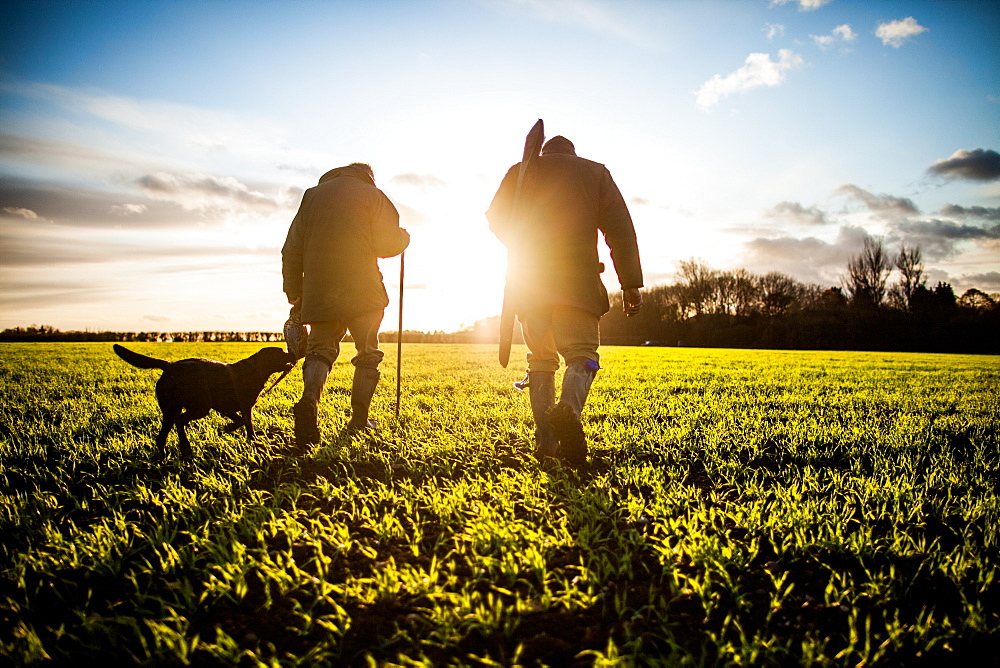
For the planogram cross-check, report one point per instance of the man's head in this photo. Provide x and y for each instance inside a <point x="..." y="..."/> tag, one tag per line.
<point x="364" y="167"/>
<point x="558" y="144"/>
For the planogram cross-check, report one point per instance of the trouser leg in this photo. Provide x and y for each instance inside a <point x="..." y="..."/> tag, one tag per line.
<point x="536" y="327"/>
<point x="542" y="392"/>
<point x="315" y="370"/>
<point x="577" y="336"/>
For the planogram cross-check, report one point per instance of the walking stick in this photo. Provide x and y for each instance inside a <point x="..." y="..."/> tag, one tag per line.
<point x="399" y="333"/>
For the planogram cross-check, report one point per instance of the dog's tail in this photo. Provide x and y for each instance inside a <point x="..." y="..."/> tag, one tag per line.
<point x="141" y="361"/>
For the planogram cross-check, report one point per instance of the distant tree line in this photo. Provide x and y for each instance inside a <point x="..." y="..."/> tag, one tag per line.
<point x="738" y="309"/>
<point x="707" y="307"/>
<point x="46" y="333"/>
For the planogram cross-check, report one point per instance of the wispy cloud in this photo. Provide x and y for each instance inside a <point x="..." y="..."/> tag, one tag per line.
<point x="758" y="70"/>
<point x="774" y="30"/>
<point x="206" y="192"/>
<point x="989" y="280"/>
<point x="795" y="213"/>
<point x="841" y="34"/>
<point x="978" y="165"/>
<point x="809" y="259"/>
<point x="887" y="207"/>
<point x="75" y="206"/>
<point x="978" y="212"/>
<point x="939" y="239"/>
<point x="21" y="212"/>
<point x="194" y="126"/>
<point x="591" y="15"/>
<point x="128" y="209"/>
<point x="26" y="244"/>
<point x="423" y="181"/>
<point x="804" y="5"/>
<point x="895" y="33"/>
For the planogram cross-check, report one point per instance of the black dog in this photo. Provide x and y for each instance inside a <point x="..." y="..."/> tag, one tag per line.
<point x="190" y="388"/>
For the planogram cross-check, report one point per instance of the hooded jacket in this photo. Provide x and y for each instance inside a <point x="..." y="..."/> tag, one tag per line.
<point x="330" y="257"/>
<point x="552" y="239"/>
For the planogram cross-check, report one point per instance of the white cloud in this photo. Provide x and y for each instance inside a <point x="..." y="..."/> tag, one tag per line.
<point x="774" y="30"/>
<point x="978" y="164"/>
<point x="842" y="33"/>
<point x="21" y="212"/>
<point x="205" y="192"/>
<point x="808" y="259"/>
<point x="804" y="5"/>
<point x="795" y="213"/>
<point x="886" y="207"/>
<point x="128" y="209"/>
<point x="894" y="33"/>
<point x="758" y="70"/>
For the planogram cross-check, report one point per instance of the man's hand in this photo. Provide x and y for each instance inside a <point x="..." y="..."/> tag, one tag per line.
<point x="631" y="301"/>
<point x="294" y="301"/>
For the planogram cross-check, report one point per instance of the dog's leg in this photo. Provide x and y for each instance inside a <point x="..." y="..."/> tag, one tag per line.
<point x="161" y="437"/>
<point x="182" y="439"/>
<point x="236" y="421"/>
<point x="248" y="421"/>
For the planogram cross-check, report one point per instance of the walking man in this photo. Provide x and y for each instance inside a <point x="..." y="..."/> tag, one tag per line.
<point x="554" y="280"/>
<point x="329" y="264"/>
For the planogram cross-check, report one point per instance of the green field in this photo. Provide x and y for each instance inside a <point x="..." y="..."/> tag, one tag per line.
<point x="743" y="507"/>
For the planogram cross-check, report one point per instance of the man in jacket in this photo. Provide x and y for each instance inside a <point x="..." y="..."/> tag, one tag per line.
<point x="329" y="264"/>
<point x="554" y="281"/>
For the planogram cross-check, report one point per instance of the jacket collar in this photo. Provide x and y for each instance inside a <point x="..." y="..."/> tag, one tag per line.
<point x="347" y="171"/>
<point x="558" y="144"/>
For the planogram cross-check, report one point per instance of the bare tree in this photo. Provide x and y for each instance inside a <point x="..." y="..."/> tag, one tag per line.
<point x="697" y="280"/>
<point x="867" y="274"/>
<point x="910" y="264"/>
<point x="777" y="292"/>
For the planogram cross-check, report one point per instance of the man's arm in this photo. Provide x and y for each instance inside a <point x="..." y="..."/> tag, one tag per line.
<point x="388" y="238"/>
<point x="291" y="260"/>
<point x="619" y="233"/>
<point x="501" y="209"/>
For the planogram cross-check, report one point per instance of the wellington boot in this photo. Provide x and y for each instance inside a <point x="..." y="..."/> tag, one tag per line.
<point x="568" y="430"/>
<point x="362" y="391"/>
<point x="315" y="370"/>
<point x="306" y="427"/>
<point x="542" y="392"/>
<point x="576" y="384"/>
<point x="565" y="417"/>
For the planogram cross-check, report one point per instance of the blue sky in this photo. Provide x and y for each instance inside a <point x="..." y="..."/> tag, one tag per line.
<point x="153" y="153"/>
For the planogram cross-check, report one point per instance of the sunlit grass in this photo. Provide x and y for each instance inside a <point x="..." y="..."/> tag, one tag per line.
<point x="741" y="506"/>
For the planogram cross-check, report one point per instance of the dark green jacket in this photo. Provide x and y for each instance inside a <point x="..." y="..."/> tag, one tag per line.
<point x="552" y="243"/>
<point x="330" y="256"/>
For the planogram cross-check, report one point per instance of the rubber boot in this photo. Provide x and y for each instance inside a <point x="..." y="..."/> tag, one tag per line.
<point x="315" y="370"/>
<point x="542" y="392"/>
<point x="565" y="417"/>
<point x="362" y="391"/>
